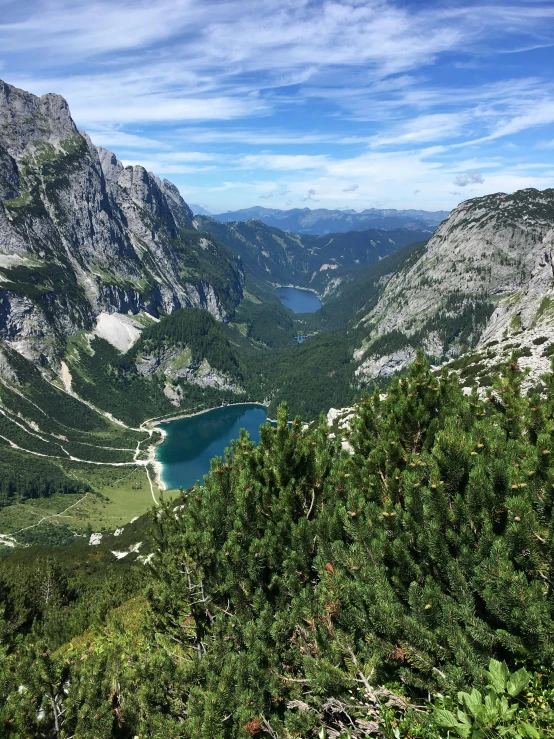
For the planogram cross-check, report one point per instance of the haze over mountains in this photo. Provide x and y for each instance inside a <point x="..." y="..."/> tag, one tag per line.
<point x="321" y="221"/>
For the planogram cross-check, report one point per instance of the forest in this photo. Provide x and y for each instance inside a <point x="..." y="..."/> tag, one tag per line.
<point x="401" y="587"/>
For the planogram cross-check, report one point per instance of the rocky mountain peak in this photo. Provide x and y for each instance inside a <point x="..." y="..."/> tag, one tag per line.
<point x="26" y="118"/>
<point x="485" y="272"/>
<point x="111" y="166"/>
<point x="81" y="235"/>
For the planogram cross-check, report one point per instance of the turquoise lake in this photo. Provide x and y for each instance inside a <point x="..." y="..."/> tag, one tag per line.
<point x="299" y="301"/>
<point x="192" y="442"/>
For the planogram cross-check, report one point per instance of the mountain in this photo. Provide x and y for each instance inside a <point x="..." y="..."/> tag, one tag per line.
<point x="117" y="307"/>
<point x="485" y="277"/>
<point x="304" y="260"/>
<point x="82" y="236"/>
<point x="320" y="221"/>
<point x="198" y="210"/>
<point x="480" y="289"/>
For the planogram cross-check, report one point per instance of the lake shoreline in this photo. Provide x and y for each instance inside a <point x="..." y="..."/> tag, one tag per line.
<point x="153" y="449"/>
<point x="299" y="300"/>
<point x="299" y="287"/>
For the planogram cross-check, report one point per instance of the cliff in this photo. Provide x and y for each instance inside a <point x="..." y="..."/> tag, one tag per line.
<point x="82" y="235"/>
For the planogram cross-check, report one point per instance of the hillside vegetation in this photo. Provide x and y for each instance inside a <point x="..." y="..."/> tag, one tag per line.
<point x="309" y="261"/>
<point x="403" y="589"/>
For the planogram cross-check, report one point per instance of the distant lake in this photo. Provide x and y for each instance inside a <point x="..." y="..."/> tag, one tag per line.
<point x="299" y="301"/>
<point x="191" y="442"/>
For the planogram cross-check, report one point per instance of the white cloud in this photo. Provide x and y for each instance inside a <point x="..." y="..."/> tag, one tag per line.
<point x="283" y="161"/>
<point x="143" y="77"/>
<point x="433" y="127"/>
<point x="162" y="168"/>
<point x="232" y="49"/>
<point x="469" y="178"/>
<point x="265" y="137"/>
<point x="190" y="156"/>
<point x="121" y="140"/>
<point x="165" y="109"/>
<point x="79" y="28"/>
<point x="540" y="114"/>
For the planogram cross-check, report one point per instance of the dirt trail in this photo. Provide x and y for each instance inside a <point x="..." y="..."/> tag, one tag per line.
<point x="53" y="515"/>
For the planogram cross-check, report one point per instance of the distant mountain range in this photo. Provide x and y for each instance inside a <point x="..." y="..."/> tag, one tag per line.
<point x="269" y="253"/>
<point x="320" y="222"/>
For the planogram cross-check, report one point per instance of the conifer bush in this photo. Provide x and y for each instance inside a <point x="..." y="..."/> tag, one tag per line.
<point x="308" y="590"/>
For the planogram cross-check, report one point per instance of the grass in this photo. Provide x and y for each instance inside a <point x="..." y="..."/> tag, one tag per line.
<point x="546" y="308"/>
<point x="515" y="323"/>
<point x="183" y="360"/>
<point x="124" y="494"/>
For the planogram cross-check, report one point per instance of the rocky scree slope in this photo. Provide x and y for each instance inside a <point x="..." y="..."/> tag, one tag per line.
<point x="485" y="276"/>
<point x="81" y="235"/>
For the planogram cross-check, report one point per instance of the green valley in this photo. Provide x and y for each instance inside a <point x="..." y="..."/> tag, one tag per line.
<point x="376" y="561"/>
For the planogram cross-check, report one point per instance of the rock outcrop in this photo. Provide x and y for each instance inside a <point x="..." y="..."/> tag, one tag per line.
<point x="176" y="363"/>
<point x="81" y="235"/>
<point x="485" y="275"/>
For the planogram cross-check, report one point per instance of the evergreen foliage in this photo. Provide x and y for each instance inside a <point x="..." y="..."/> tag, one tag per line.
<point x="306" y="591"/>
<point x="22" y="478"/>
<point x="188" y="327"/>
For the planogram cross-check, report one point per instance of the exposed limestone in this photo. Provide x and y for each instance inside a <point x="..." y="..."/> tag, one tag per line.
<point x="176" y="363"/>
<point x="96" y="237"/>
<point x="486" y="273"/>
<point x="173" y="394"/>
<point x="119" y="330"/>
<point x="374" y="367"/>
<point x="65" y="374"/>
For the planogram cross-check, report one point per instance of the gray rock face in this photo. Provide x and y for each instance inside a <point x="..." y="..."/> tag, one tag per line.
<point x="26" y="119"/>
<point x="486" y="272"/>
<point x="176" y="363"/>
<point x="94" y="236"/>
<point x="378" y="367"/>
<point x="111" y="166"/>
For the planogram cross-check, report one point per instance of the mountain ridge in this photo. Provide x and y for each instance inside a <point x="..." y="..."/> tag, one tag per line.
<point x="118" y="239"/>
<point x="322" y="221"/>
<point x="307" y="260"/>
<point x="486" y="272"/>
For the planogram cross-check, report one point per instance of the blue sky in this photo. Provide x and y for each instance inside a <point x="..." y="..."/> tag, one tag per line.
<point x="295" y="103"/>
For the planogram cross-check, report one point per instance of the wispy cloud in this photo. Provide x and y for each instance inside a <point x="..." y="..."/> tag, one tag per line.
<point x="470" y="178"/>
<point x="310" y="195"/>
<point x="235" y="98"/>
<point x="288" y="162"/>
<point x="121" y="140"/>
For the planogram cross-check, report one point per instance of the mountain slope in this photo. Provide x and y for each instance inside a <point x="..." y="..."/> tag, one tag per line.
<point x="308" y="261"/>
<point x="485" y="274"/>
<point x="320" y="221"/>
<point x="81" y="235"/>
